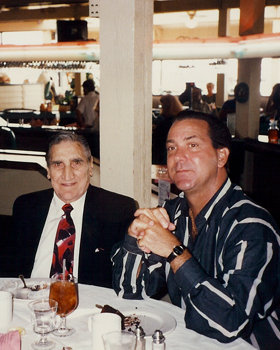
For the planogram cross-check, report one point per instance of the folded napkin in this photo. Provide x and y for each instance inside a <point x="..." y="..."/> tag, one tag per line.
<point x="10" y="341"/>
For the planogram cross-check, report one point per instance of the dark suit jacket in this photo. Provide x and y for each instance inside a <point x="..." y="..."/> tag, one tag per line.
<point x="106" y="218"/>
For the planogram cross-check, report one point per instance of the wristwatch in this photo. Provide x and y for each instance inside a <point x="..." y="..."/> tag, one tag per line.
<point x="178" y="250"/>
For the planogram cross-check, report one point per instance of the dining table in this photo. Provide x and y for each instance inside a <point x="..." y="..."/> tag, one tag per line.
<point x="159" y="314"/>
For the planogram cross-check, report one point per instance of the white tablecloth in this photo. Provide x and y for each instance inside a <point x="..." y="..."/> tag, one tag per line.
<point x="179" y="339"/>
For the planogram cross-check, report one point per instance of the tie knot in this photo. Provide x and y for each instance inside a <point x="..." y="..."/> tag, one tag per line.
<point x="67" y="208"/>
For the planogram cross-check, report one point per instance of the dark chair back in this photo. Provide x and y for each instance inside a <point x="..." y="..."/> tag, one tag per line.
<point x="7" y="138"/>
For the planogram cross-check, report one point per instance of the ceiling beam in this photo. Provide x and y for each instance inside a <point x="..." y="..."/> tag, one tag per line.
<point x="24" y="3"/>
<point x="75" y="9"/>
<point x="67" y="12"/>
<point x="82" y="10"/>
<point x="187" y="5"/>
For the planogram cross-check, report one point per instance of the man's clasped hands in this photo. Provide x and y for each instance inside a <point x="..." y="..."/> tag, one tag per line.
<point x="153" y="230"/>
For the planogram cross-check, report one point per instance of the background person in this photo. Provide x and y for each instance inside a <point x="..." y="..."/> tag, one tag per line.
<point x="100" y="217"/>
<point x="170" y="107"/>
<point x="87" y="115"/>
<point x="215" y="249"/>
<point x="49" y="87"/>
<point x="210" y="99"/>
<point x="186" y="96"/>
<point x="228" y="107"/>
<point x="272" y="108"/>
<point x="197" y="104"/>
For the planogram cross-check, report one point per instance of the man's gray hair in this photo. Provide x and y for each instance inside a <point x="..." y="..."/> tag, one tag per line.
<point x="68" y="136"/>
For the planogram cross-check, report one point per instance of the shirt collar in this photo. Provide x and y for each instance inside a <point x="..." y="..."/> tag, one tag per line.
<point x="208" y="208"/>
<point x="76" y="204"/>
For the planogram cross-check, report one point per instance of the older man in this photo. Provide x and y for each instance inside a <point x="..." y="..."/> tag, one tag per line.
<point x="74" y="221"/>
<point x="216" y="250"/>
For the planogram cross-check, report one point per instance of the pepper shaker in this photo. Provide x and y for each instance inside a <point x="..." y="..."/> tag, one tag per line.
<point x="140" y="338"/>
<point x="158" y="340"/>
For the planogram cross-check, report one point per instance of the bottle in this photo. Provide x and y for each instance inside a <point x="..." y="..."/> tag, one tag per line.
<point x="158" y="340"/>
<point x="273" y="131"/>
<point x="140" y="338"/>
<point x="49" y="106"/>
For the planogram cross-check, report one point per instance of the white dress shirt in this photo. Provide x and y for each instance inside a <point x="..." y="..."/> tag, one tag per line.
<point x="44" y="254"/>
<point x="87" y="107"/>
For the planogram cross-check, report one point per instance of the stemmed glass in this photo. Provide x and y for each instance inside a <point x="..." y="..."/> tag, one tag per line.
<point x="64" y="290"/>
<point x="43" y="320"/>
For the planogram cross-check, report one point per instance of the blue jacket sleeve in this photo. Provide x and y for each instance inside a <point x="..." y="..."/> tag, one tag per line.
<point x="136" y="275"/>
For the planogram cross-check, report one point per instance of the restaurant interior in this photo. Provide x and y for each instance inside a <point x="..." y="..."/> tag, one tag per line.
<point x="136" y="51"/>
<point x="56" y="43"/>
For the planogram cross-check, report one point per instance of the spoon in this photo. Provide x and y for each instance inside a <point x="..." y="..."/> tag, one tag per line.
<point x="34" y="288"/>
<point x="23" y="281"/>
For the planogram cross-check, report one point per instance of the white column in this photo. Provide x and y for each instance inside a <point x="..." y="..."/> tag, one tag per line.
<point x="126" y="30"/>
<point x="249" y="70"/>
<point x="221" y="94"/>
<point x="248" y="114"/>
<point x="223" y="29"/>
<point x="223" y="25"/>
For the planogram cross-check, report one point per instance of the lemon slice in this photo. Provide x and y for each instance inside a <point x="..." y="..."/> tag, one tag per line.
<point x="21" y="330"/>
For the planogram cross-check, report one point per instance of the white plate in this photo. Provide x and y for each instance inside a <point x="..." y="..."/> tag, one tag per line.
<point x="16" y="288"/>
<point x="152" y="320"/>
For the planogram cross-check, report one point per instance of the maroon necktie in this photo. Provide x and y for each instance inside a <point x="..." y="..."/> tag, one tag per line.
<point x="64" y="243"/>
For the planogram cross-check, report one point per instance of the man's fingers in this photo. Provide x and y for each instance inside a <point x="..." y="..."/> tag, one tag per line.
<point x="136" y="228"/>
<point x="141" y="211"/>
<point x="162" y="216"/>
<point x="142" y="246"/>
<point x="171" y="227"/>
<point x="145" y="219"/>
<point x="164" y="213"/>
<point x="151" y="216"/>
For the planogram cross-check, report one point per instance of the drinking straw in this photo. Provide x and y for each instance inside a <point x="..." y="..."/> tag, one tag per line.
<point x="63" y="269"/>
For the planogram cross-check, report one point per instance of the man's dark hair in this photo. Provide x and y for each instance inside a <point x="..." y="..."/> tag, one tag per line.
<point x="68" y="136"/>
<point x="218" y="131"/>
<point x="89" y="85"/>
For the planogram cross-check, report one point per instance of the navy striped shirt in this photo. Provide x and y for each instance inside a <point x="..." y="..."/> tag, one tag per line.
<point x="231" y="286"/>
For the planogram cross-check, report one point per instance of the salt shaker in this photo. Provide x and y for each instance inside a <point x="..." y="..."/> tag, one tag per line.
<point x="158" y="340"/>
<point x="140" y="338"/>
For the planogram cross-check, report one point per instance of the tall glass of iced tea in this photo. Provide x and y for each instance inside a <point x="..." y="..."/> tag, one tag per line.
<point x="64" y="290"/>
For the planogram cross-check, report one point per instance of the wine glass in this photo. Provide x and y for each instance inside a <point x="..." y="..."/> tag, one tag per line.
<point x="64" y="290"/>
<point x="43" y="320"/>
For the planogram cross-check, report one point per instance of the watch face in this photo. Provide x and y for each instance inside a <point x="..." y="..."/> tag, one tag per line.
<point x="178" y="250"/>
<point x="242" y="92"/>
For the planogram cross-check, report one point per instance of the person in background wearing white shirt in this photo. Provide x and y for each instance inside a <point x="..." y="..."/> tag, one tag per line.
<point x="100" y="217"/>
<point x="86" y="111"/>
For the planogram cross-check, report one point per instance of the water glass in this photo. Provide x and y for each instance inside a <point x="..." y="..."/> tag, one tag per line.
<point x="101" y="323"/>
<point x="43" y="321"/>
<point x="122" y="340"/>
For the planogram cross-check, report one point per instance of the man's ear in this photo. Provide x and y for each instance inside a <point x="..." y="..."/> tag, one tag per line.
<point x="223" y="154"/>
<point x="91" y="166"/>
<point x="48" y="174"/>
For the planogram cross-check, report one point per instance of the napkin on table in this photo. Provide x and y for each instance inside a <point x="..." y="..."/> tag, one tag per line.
<point x="10" y="341"/>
